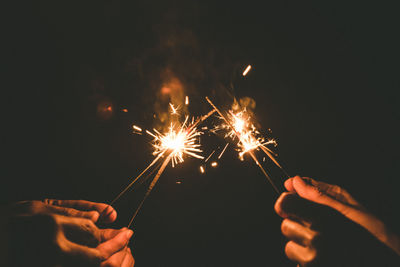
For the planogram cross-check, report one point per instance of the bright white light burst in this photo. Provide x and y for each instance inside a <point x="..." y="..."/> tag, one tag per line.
<point x="249" y="137"/>
<point x="178" y="141"/>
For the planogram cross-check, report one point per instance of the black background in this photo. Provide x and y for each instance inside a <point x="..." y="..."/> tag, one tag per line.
<point x="325" y="79"/>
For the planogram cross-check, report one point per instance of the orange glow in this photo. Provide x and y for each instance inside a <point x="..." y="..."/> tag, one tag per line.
<point x="165" y="90"/>
<point x="104" y="109"/>
<point x="124" y="110"/>
<point x="214" y="164"/>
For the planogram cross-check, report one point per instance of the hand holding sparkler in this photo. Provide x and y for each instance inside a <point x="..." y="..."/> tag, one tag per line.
<point x="326" y="226"/>
<point x="62" y="233"/>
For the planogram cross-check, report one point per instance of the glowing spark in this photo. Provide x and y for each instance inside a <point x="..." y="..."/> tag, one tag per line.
<point x="173" y="109"/>
<point x="124" y="110"/>
<point x="137" y="128"/>
<point x="209" y="156"/>
<point x="239" y="126"/>
<point x="186" y="100"/>
<point x="247" y="70"/>
<point x="178" y="141"/>
<point x="223" y="150"/>
<point x="214" y="164"/>
<point x="202" y="169"/>
<point x="150" y="133"/>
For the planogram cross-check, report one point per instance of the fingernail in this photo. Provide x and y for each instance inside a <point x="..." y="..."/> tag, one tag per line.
<point x="129" y="233"/>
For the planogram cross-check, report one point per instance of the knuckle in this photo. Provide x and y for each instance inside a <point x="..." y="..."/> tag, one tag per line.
<point x="89" y="223"/>
<point x="318" y="193"/>
<point x="47" y="201"/>
<point x="71" y="212"/>
<point x="54" y="202"/>
<point x="89" y="227"/>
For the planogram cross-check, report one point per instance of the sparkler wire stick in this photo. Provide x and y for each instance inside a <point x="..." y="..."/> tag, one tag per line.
<point x="264" y="172"/>
<point x="268" y="152"/>
<point x="223" y="150"/>
<point x="209" y="156"/>
<point x="137" y="178"/>
<point x="153" y="183"/>
<point x="250" y="152"/>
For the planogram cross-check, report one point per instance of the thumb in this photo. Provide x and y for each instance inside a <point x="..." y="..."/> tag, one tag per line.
<point x="115" y="244"/>
<point x="314" y="193"/>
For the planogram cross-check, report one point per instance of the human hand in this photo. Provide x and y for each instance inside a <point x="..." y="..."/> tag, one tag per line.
<point x="326" y="226"/>
<point x="63" y="233"/>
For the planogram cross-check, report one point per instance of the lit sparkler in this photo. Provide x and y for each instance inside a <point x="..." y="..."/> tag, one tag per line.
<point x="181" y="139"/>
<point x="239" y="126"/>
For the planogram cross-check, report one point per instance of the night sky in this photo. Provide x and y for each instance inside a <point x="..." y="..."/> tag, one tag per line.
<point x="325" y="79"/>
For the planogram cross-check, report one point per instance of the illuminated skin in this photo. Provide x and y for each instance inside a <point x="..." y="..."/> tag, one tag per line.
<point x="326" y="226"/>
<point x="63" y="233"/>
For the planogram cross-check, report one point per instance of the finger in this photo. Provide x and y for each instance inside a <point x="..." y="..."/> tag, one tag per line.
<point x="289" y="185"/>
<point x="107" y="234"/>
<point x="107" y="213"/>
<point x="317" y="195"/>
<point x="129" y="261"/>
<point x="299" y="233"/>
<point x="333" y="191"/>
<point x="290" y="205"/>
<point x="300" y="254"/>
<point x="116" y="259"/>
<point x="115" y="244"/>
<point x="91" y="215"/>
